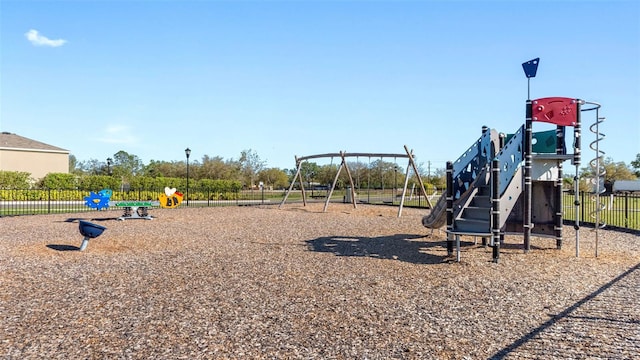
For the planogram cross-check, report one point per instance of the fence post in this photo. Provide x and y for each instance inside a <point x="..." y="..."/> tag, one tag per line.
<point x="583" y="204"/>
<point x="49" y="201"/>
<point x="626" y="210"/>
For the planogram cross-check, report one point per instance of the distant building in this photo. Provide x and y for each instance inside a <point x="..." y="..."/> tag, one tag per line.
<point x="19" y="153"/>
<point x="626" y="186"/>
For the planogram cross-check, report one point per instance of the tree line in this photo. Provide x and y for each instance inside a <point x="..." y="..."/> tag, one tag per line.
<point x="124" y="171"/>
<point x="245" y="172"/>
<point x="128" y="171"/>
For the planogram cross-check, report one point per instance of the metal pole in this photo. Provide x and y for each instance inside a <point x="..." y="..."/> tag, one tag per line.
<point x="528" y="157"/>
<point x="449" y="208"/>
<point x="395" y="184"/>
<point x="187" y="181"/>
<point x="84" y="244"/>
<point x="293" y="181"/>
<point x="576" y="179"/>
<point x="560" y="149"/>
<point x="335" y="181"/>
<point x="457" y="248"/>
<point x="404" y="189"/>
<point x="495" y="209"/>
<point x="417" y="173"/>
<point x="597" y="176"/>
<point x="598" y="173"/>
<point x="187" y="152"/>
<point x="626" y="209"/>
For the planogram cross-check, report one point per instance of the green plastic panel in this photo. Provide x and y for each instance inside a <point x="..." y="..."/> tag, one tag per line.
<point x="543" y="142"/>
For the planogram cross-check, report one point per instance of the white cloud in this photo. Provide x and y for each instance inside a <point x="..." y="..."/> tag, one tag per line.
<point x="118" y="134"/>
<point x="39" y="40"/>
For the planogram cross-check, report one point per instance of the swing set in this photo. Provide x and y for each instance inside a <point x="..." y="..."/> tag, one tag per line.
<point x="411" y="165"/>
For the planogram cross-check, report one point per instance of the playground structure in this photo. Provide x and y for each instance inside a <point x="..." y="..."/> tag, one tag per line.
<point x="411" y="165"/>
<point x="513" y="184"/>
<point x="89" y="231"/>
<point x="133" y="209"/>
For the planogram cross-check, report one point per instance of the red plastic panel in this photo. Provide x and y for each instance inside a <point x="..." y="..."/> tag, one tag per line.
<point x="556" y="110"/>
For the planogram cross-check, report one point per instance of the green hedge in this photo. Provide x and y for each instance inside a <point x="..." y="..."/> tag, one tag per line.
<point x="14" y="180"/>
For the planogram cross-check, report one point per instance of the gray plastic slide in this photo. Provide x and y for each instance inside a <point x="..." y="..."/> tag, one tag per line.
<point x="437" y="218"/>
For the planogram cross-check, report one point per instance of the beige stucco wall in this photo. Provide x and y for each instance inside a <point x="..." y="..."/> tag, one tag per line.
<point x="37" y="162"/>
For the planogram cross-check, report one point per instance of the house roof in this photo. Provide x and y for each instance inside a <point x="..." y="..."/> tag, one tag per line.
<point x="9" y="141"/>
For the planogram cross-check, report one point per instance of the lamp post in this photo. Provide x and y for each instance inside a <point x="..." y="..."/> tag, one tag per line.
<point x="109" y="162"/>
<point x="262" y="190"/>
<point x="187" y="152"/>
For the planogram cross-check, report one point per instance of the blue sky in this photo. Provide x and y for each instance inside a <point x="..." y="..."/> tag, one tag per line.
<point x="300" y="78"/>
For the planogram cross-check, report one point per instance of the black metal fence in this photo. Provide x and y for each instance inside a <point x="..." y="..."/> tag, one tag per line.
<point x="618" y="210"/>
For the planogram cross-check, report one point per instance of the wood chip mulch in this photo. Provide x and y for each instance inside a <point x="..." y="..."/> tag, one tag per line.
<point x="298" y="283"/>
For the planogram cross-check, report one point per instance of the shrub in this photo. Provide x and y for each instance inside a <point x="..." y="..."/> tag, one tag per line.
<point x="14" y="180"/>
<point x="58" y="181"/>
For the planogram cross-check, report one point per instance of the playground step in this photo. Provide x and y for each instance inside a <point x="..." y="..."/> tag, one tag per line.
<point x="472" y="226"/>
<point x="482" y="201"/>
<point x="476" y="213"/>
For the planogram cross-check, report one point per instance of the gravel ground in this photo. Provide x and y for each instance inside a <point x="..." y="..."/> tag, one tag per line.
<point x="297" y="283"/>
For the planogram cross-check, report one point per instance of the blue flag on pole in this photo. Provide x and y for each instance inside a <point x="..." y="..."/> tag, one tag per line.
<point x="531" y="67"/>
